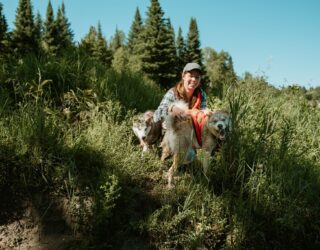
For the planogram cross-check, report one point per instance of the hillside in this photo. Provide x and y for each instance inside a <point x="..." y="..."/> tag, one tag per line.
<point x="72" y="175"/>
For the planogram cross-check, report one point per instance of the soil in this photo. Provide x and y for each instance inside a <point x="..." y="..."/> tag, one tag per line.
<point x="32" y="229"/>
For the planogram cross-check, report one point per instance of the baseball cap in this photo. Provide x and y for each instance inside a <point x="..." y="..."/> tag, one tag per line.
<point x="191" y="66"/>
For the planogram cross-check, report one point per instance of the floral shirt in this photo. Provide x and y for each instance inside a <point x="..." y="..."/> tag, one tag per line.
<point x="169" y="98"/>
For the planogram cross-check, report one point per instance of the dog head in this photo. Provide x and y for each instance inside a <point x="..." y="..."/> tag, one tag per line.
<point x="142" y="125"/>
<point x="219" y="123"/>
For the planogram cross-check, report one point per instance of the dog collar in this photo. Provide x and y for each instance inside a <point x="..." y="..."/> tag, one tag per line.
<point x="198" y="125"/>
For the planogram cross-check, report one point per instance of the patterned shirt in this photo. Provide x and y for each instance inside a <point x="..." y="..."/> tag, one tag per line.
<point x="169" y="98"/>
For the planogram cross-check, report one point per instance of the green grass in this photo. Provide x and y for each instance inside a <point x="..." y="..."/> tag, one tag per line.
<point x="65" y="130"/>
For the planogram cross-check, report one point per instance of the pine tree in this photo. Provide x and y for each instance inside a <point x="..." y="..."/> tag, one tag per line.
<point x="3" y="32"/>
<point x="181" y="52"/>
<point x="193" y="43"/>
<point x="100" y="49"/>
<point x="64" y="32"/>
<point x="167" y="56"/>
<point x="50" y="37"/>
<point x="118" y="40"/>
<point x="88" y="42"/>
<point x="95" y="45"/>
<point x="120" y="60"/>
<point x="24" y="34"/>
<point x="3" y="24"/>
<point x="135" y="31"/>
<point x="152" y="44"/>
<point x="38" y="25"/>
<point x="135" y="44"/>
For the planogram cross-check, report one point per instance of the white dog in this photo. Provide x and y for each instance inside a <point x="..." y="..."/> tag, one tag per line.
<point x="195" y="132"/>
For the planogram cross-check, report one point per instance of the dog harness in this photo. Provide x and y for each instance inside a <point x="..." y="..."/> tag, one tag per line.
<point x="198" y="101"/>
<point x="198" y="124"/>
<point x="198" y="121"/>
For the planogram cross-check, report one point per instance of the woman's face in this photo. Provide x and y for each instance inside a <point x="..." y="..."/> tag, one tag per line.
<point x="191" y="80"/>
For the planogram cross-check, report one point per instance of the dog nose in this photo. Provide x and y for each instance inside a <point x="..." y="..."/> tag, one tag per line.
<point x="143" y="137"/>
<point x="220" y="126"/>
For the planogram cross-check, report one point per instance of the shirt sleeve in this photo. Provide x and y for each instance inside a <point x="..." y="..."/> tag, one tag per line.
<point x="162" y="110"/>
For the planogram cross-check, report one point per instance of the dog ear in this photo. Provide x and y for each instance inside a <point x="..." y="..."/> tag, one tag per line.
<point x="148" y="115"/>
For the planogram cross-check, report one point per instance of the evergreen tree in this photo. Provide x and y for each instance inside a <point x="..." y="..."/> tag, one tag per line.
<point x="88" y="42"/>
<point x="168" y="55"/>
<point x="193" y="43"/>
<point x="38" y="25"/>
<point x="151" y="46"/>
<point x="120" y="60"/>
<point x="3" y="32"/>
<point x="50" y="37"/>
<point x="3" y="24"/>
<point x="95" y="45"/>
<point x="100" y="49"/>
<point x="181" y="52"/>
<point x="24" y="34"/>
<point x="64" y="32"/>
<point x="118" y="40"/>
<point x="135" y="44"/>
<point x="134" y="32"/>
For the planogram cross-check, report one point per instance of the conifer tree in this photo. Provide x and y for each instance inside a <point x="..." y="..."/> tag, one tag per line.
<point x="168" y="55"/>
<point x="3" y="23"/>
<point x="193" y="43"/>
<point x="88" y="42"/>
<point x="100" y="49"/>
<point x="50" y="37"/>
<point x="152" y="44"/>
<point x="64" y="32"/>
<point x="135" y="44"/>
<point x="120" y="60"/>
<point x="38" y="25"/>
<point x="181" y="52"/>
<point x="118" y="40"/>
<point x="3" y="32"/>
<point x="135" y="31"/>
<point x="24" y="34"/>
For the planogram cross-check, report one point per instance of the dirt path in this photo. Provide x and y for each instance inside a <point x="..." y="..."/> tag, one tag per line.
<point x="34" y="231"/>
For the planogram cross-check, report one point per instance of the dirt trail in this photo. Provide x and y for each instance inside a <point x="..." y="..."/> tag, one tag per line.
<point x="34" y="231"/>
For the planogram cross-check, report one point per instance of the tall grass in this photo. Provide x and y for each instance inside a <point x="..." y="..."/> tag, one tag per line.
<point x="65" y="130"/>
<point x="278" y="170"/>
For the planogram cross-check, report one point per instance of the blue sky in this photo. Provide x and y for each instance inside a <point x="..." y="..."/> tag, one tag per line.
<point x="277" y="39"/>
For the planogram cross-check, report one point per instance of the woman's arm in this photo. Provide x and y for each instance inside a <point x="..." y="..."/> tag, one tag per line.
<point x="162" y="110"/>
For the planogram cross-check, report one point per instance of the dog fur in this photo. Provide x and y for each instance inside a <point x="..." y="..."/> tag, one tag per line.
<point x="146" y="130"/>
<point x="180" y="137"/>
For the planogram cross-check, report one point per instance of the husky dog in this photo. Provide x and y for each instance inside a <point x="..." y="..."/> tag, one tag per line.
<point x="147" y="131"/>
<point x="195" y="132"/>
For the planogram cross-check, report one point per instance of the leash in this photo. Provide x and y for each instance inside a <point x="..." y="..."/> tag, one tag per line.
<point x="198" y="101"/>
<point x="198" y="125"/>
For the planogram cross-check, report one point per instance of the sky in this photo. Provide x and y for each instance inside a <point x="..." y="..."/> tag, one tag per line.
<point x="276" y="39"/>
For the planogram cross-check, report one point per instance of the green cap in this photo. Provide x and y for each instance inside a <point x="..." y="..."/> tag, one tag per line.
<point x="191" y="66"/>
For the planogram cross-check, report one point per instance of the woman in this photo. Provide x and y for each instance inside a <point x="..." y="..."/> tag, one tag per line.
<point x="188" y="89"/>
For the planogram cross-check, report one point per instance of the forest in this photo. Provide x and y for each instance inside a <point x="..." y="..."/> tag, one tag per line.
<point x="71" y="171"/>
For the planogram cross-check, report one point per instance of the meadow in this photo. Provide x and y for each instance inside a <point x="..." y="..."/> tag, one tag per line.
<point x="65" y="137"/>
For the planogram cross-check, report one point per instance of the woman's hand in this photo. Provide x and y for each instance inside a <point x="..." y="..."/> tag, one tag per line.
<point x="179" y="113"/>
<point x="207" y="112"/>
